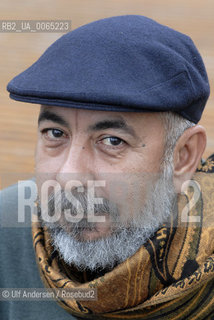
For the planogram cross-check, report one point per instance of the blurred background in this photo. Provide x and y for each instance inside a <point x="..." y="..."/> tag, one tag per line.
<point x="18" y="121"/>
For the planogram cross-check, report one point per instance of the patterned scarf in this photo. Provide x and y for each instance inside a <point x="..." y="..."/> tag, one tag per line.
<point x="169" y="277"/>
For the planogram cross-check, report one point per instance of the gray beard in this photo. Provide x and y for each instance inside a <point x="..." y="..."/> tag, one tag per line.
<point x="124" y="241"/>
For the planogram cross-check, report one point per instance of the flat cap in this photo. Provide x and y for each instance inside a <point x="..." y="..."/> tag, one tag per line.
<point x="123" y="63"/>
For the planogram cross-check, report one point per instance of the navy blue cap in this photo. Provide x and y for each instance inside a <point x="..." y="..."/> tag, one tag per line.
<point x="124" y="63"/>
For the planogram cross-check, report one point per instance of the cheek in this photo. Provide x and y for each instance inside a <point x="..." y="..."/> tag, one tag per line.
<point x="131" y="183"/>
<point x="128" y="192"/>
<point x="150" y="159"/>
<point x="47" y="161"/>
<point x="46" y="166"/>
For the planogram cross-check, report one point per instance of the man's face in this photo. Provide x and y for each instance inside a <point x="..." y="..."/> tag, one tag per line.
<point x="124" y="150"/>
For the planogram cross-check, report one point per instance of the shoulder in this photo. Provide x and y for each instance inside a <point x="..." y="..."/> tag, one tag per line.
<point x="17" y="201"/>
<point x="16" y="249"/>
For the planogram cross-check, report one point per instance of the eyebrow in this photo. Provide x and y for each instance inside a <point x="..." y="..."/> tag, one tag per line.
<point x="101" y="125"/>
<point x="113" y="124"/>
<point x="51" y="116"/>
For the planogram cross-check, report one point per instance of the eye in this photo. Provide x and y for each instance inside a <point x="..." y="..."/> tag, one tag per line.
<point x="112" y="141"/>
<point x="52" y="133"/>
<point x="112" y="144"/>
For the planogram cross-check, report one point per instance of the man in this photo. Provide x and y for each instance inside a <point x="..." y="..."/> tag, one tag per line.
<point x="121" y="206"/>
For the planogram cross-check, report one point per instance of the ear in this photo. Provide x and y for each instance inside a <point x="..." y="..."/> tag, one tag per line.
<point x="187" y="154"/>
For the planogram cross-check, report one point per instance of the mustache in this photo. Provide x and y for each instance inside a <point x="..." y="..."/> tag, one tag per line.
<point x="75" y="202"/>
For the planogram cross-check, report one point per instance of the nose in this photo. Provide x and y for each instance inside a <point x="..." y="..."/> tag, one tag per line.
<point x="77" y="167"/>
